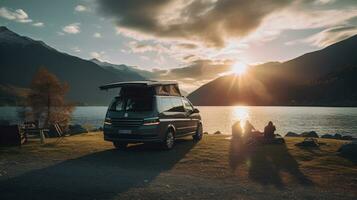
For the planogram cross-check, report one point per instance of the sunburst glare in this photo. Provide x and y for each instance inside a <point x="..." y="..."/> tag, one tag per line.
<point x="239" y="68"/>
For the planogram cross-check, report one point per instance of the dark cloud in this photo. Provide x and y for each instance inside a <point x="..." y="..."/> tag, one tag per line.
<point x="206" y="21"/>
<point x="199" y="70"/>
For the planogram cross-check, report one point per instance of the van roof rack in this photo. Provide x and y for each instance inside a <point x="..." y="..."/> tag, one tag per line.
<point x="133" y="83"/>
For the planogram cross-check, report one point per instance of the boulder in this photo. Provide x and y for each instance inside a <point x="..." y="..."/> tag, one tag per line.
<point x="76" y="129"/>
<point x="308" y="142"/>
<point x="327" y="136"/>
<point x="311" y="134"/>
<point x="347" y="137"/>
<point x="292" y="134"/>
<point x="337" y="136"/>
<point x="217" y="133"/>
<point x="349" y="150"/>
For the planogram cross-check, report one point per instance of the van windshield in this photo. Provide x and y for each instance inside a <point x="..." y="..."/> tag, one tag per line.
<point x="132" y="104"/>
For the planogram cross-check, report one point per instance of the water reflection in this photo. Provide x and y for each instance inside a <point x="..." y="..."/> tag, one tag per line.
<point x="241" y="113"/>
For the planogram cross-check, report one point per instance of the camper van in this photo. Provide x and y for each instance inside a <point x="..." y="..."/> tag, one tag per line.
<point x="150" y="111"/>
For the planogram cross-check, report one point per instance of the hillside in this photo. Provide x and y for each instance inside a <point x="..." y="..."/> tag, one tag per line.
<point x="323" y="77"/>
<point x="21" y="57"/>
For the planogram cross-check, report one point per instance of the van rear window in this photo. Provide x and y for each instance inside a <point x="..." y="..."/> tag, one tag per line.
<point x="132" y="104"/>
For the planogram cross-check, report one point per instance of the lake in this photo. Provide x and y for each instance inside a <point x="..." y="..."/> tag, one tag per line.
<point x="296" y="119"/>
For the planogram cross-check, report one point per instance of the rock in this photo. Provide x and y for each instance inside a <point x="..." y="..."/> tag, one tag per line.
<point x="347" y="137"/>
<point x="311" y="134"/>
<point x="308" y="142"/>
<point x="337" y="136"/>
<point x="205" y="133"/>
<point x="327" y="136"/>
<point x="76" y="129"/>
<point x="292" y="134"/>
<point x="349" y="150"/>
<point x="217" y="133"/>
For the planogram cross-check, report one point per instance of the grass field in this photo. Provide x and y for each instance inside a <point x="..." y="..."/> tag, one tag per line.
<point x="86" y="167"/>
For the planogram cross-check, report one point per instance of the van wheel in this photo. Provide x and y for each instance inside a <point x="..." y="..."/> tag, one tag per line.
<point x="169" y="141"/>
<point x="120" y="145"/>
<point x="198" y="134"/>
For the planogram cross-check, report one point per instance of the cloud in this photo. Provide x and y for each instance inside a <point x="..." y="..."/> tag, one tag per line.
<point x="97" y="35"/>
<point x="38" y="24"/>
<point x="323" y="2"/>
<point x="98" y="55"/>
<point x="210" y="22"/>
<point x="81" y="8"/>
<point x="331" y="36"/>
<point x="137" y="47"/>
<point x="17" y="15"/>
<point x="72" y="28"/>
<point x="76" y="49"/>
<point x="200" y="70"/>
<point x="186" y="46"/>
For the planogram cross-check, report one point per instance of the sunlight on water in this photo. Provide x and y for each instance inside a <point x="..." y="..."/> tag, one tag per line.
<point x="240" y="113"/>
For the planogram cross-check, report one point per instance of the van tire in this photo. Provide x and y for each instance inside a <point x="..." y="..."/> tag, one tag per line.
<point x="120" y="145"/>
<point x="198" y="134"/>
<point x="169" y="140"/>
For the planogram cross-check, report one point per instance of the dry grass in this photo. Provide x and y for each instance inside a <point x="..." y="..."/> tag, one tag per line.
<point x="216" y="167"/>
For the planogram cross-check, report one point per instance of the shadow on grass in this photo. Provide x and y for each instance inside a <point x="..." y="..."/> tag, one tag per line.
<point x="265" y="163"/>
<point x="100" y="175"/>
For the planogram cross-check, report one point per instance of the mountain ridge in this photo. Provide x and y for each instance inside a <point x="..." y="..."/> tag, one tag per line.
<point x="23" y="56"/>
<point x="304" y="80"/>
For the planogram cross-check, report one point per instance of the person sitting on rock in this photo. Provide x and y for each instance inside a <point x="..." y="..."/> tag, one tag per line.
<point x="269" y="131"/>
<point x="248" y="128"/>
<point x="237" y="129"/>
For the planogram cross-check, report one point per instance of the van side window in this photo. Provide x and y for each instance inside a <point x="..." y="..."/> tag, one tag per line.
<point x="177" y="105"/>
<point x="165" y="104"/>
<point x="171" y="104"/>
<point x="187" y="105"/>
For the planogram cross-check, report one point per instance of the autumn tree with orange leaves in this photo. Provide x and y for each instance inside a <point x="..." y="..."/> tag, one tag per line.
<point x="46" y="102"/>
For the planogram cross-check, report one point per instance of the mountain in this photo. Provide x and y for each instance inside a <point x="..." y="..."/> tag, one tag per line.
<point x="135" y="72"/>
<point x="22" y="56"/>
<point x="324" y="77"/>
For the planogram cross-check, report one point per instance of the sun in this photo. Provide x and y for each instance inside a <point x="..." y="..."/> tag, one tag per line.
<point x="239" y="68"/>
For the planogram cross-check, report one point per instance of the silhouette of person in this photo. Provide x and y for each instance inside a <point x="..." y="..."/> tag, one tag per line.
<point x="237" y="129"/>
<point x="269" y="131"/>
<point x="248" y="128"/>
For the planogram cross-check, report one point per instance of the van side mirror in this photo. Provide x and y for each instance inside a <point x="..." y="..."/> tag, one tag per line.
<point x="195" y="110"/>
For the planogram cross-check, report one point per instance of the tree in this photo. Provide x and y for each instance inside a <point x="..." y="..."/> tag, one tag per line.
<point x="46" y="102"/>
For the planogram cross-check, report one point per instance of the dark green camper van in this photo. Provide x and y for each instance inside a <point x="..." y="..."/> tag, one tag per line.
<point x="150" y="111"/>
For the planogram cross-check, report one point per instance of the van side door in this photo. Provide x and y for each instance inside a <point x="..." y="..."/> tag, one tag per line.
<point x="193" y="117"/>
<point x="180" y="120"/>
<point x="172" y="112"/>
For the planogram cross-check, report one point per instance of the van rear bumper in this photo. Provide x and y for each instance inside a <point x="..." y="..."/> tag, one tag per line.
<point x="137" y="135"/>
<point x="131" y="138"/>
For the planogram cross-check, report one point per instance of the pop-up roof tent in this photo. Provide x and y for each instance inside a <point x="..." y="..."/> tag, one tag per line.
<point x="165" y="88"/>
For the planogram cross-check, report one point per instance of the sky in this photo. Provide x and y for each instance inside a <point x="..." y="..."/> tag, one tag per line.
<point x="193" y="41"/>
